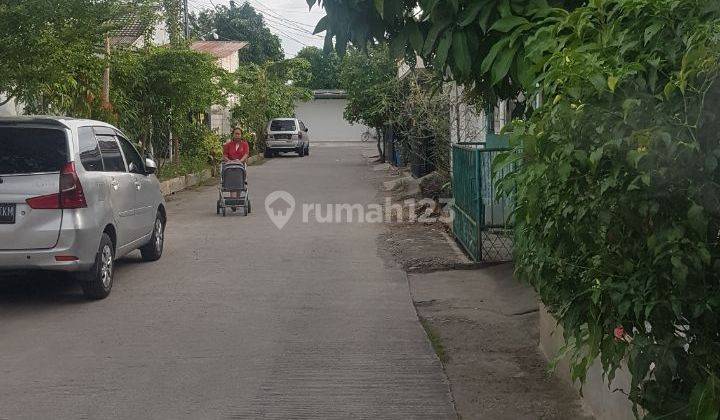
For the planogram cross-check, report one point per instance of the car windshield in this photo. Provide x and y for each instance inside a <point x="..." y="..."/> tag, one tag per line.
<point x="283" y="125"/>
<point x="25" y="150"/>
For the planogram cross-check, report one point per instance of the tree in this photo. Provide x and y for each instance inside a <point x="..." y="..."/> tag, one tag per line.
<point x="52" y="54"/>
<point x="239" y="23"/>
<point x="269" y="91"/>
<point x="370" y="79"/>
<point x="481" y="42"/>
<point x="325" y="68"/>
<point x="157" y="89"/>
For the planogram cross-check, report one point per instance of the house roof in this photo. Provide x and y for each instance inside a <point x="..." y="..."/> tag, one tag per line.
<point x="132" y="27"/>
<point x="329" y="94"/>
<point x="218" y="49"/>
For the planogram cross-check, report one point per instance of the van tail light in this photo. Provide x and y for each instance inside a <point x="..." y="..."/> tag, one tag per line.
<point x="70" y="196"/>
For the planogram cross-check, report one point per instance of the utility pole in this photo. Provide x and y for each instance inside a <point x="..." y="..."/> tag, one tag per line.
<point x="187" y="24"/>
<point x="106" y="76"/>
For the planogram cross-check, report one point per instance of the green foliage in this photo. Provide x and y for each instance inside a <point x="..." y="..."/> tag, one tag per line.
<point x="370" y="79"/>
<point x="325" y="68"/>
<point x="239" y="23"/>
<point x="269" y="91"/>
<point x="173" y="21"/>
<point x="450" y="35"/>
<point x="50" y="52"/>
<point x="200" y="142"/>
<point x="156" y="90"/>
<point x="187" y="166"/>
<point x="618" y="195"/>
<point x="423" y="120"/>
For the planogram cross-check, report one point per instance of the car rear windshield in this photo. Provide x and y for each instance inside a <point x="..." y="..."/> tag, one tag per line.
<point x="282" y="125"/>
<point x="25" y="150"/>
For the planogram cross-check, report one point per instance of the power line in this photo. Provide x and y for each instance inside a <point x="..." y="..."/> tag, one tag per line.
<point x="270" y="21"/>
<point x="271" y="10"/>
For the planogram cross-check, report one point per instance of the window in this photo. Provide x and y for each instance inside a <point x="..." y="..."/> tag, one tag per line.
<point x="111" y="156"/>
<point x="25" y="150"/>
<point x="89" y="150"/>
<point x="135" y="162"/>
<point x="282" y="125"/>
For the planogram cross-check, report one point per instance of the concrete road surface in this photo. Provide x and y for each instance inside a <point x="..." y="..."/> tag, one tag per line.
<point x="238" y="319"/>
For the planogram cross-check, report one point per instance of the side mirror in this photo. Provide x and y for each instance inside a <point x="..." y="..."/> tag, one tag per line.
<point x="150" y="166"/>
<point x="306" y="129"/>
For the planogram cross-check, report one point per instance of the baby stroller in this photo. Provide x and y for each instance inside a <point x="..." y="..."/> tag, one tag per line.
<point x="232" y="182"/>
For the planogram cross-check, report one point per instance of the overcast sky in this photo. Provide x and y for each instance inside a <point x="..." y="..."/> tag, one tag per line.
<point x="288" y="19"/>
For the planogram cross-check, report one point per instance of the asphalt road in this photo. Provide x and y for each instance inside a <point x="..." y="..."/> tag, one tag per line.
<point x="239" y="319"/>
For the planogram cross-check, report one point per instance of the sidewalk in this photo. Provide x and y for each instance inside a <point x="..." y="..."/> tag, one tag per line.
<point x="487" y="323"/>
<point x="483" y="324"/>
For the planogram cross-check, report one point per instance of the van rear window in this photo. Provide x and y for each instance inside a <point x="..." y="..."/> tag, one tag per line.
<point x="282" y="125"/>
<point x="25" y="150"/>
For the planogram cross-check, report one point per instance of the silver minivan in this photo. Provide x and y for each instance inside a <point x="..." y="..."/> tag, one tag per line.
<point x="75" y="195"/>
<point x="287" y="135"/>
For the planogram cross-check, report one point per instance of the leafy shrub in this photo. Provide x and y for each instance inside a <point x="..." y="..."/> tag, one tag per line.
<point x="618" y="196"/>
<point x="199" y="141"/>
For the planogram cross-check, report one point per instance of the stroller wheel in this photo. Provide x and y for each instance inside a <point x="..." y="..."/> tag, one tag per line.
<point x="223" y="212"/>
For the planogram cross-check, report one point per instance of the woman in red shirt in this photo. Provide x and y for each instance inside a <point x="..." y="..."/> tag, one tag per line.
<point x="236" y="149"/>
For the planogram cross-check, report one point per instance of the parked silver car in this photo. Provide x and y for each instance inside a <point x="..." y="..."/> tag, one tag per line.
<point x="75" y="195"/>
<point x="287" y="135"/>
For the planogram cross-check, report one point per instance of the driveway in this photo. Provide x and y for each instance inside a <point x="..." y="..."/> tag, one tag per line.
<point x="239" y="319"/>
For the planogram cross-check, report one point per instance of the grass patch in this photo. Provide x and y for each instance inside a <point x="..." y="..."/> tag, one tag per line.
<point x="434" y="340"/>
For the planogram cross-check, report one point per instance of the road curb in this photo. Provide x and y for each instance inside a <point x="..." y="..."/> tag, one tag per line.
<point x="177" y="184"/>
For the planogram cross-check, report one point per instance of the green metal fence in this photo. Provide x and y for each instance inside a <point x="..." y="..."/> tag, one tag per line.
<point x="481" y="221"/>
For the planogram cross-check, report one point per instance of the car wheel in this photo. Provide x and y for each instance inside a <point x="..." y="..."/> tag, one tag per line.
<point x="268" y="153"/>
<point x="247" y="201"/>
<point x="97" y="282"/>
<point x="301" y="151"/>
<point x="217" y="211"/>
<point x="153" y="250"/>
<point x="307" y="150"/>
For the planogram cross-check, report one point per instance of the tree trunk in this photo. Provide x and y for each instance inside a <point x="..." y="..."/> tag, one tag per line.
<point x="176" y="149"/>
<point x="380" y="139"/>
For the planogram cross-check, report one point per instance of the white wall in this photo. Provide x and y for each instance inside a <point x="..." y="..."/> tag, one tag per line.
<point x="600" y="398"/>
<point x="467" y="124"/>
<point x="10" y="109"/>
<point x="324" y="119"/>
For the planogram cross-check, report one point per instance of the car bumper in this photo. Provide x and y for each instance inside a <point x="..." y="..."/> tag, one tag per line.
<point x="75" y="240"/>
<point x="284" y="145"/>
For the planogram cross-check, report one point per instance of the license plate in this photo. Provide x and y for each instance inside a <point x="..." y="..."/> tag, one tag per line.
<point x="282" y="136"/>
<point x="7" y="213"/>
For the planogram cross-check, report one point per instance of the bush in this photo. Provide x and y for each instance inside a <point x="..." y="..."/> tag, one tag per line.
<point x="618" y="197"/>
<point x="198" y="141"/>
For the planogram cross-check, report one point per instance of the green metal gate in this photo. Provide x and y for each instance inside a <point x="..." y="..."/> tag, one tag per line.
<point x="481" y="221"/>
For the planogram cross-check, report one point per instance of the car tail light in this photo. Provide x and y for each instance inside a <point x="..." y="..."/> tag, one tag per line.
<point x="70" y="196"/>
